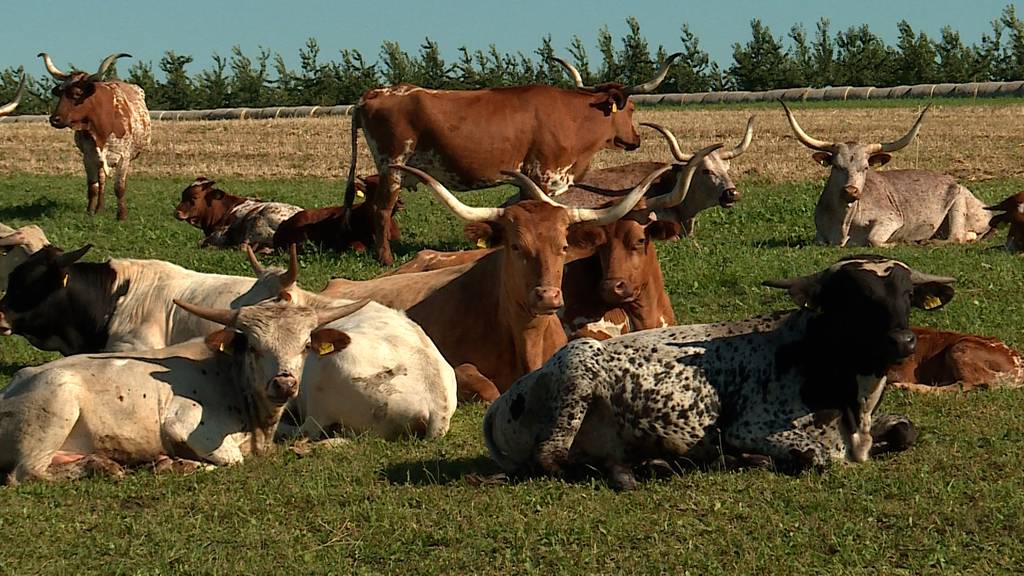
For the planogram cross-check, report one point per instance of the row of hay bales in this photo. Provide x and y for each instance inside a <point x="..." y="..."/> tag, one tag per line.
<point x="968" y="90"/>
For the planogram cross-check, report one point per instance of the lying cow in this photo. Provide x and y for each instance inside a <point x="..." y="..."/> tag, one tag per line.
<point x="951" y="362"/>
<point x="794" y="391"/>
<point x="215" y="401"/>
<point x="229" y="220"/>
<point x="862" y="207"/>
<point x="323" y="226"/>
<point x="1012" y="209"/>
<point x="16" y="246"/>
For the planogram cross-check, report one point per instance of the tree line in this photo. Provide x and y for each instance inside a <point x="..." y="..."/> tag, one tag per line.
<point x="855" y="56"/>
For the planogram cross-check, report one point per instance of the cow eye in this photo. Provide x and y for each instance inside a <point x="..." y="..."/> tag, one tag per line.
<point x="706" y="172"/>
<point x="515" y="247"/>
<point x="565" y="248"/>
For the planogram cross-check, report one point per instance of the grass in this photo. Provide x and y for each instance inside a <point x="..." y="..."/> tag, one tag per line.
<point x="951" y="504"/>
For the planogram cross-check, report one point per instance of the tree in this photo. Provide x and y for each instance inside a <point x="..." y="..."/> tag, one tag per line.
<point x="547" y="71"/>
<point x="398" y="67"/>
<point x="580" y="60"/>
<point x="430" y="69"/>
<point x="1013" y="54"/>
<point x="955" y="60"/>
<point x="176" y="89"/>
<point x="691" y="72"/>
<point x="759" y="64"/>
<point x="915" y="60"/>
<point x="610" y="69"/>
<point x="862" y="58"/>
<point x="249" y="79"/>
<point x="141" y="73"/>
<point x="212" y="88"/>
<point x="634" y="59"/>
<point x="823" y="55"/>
<point x="800" y="60"/>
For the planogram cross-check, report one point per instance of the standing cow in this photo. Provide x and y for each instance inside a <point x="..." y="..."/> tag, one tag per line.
<point x="862" y="207"/>
<point x="111" y="124"/>
<point x="10" y="106"/>
<point x="466" y="138"/>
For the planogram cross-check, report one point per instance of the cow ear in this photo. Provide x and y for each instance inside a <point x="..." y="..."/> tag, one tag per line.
<point x="931" y="295"/>
<point x="879" y="159"/>
<point x="216" y="194"/>
<point x="69" y="258"/>
<point x="823" y="158"/>
<point x="664" y="230"/>
<point x="484" y="234"/>
<point x="584" y="240"/>
<point x="222" y="341"/>
<point x="804" y="291"/>
<point x="998" y="220"/>
<point x="328" y="341"/>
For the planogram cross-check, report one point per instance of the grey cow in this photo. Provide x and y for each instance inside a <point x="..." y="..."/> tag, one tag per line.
<point x="787" y="386"/>
<point x="861" y="207"/>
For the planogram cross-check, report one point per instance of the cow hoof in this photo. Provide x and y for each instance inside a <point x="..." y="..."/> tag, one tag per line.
<point x="620" y="478"/>
<point x="122" y="214"/>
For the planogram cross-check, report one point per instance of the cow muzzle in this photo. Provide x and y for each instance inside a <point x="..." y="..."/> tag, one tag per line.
<point x="627" y="144"/>
<point x="729" y="197"/>
<point x="616" y="291"/>
<point x="850" y="194"/>
<point x="282" y="388"/>
<point x="178" y="214"/>
<point x="903" y="343"/>
<point x="546" y="300"/>
<point x="56" y="122"/>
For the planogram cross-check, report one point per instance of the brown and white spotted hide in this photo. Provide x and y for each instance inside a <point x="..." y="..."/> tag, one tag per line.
<point x="1012" y="213"/>
<point x="228" y="220"/>
<point x="787" y="387"/>
<point x="16" y="245"/>
<point x="952" y="361"/>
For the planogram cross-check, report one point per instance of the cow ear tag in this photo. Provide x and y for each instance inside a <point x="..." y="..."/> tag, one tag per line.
<point x="359" y="194"/>
<point x="325" y="348"/>
<point x="615" y="107"/>
<point x="66" y="276"/>
<point x="931" y="303"/>
<point x="481" y="243"/>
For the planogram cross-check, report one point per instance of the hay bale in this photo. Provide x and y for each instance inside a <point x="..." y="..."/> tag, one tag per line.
<point x="734" y="97"/>
<point x="1011" y="88"/>
<point x="901" y="91"/>
<point x="859" y="92"/>
<point x="695" y="98"/>
<point x="813" y="94"/>
<point x="921" y="91"/>
<point x="673" y="99"/>
<point x="836" y="92"/>
<point x="969" y="89"/>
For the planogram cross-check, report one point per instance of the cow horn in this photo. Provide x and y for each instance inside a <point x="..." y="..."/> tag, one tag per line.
<point x="923" y="278"/>
<point x="902" y="142"/>
<point x="806" y="140"/>
<point x="292" y="274"/>
<point x="740" y="148"/>
<point x="107" y="62"/>
<point x="576" y="78"/>
<point x="8" y="108"/>
<point x="332" y="314"/>
<point x="528" y="188"/>
<point x="678" y="193"/>
<point x="222" y="316"/>
<point x="673" y="144"/>
<point x="53" y="70"/>
<point x="653" y="83"/>
<point x="601" y="216"/>
<point x="68" y="258"/>
<point x="257" y="268"/>
<point x="467" y="213"/>
<point x="12" y="239"/>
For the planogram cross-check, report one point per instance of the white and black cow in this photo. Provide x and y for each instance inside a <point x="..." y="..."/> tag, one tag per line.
<point x="800" y="388"/>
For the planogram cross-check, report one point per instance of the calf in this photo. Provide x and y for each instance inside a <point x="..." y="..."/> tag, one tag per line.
<point x="214" y="401"/>
<point x="323" y="226"/>
<point x="790" y="387"/>
<point x="951" y="361"/>
<point x="1012" y="209"/>
<point x="16" y="246"/>
<point x="229" y="220"/>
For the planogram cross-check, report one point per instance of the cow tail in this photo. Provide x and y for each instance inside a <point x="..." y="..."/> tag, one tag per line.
<point x="350" y="187"/>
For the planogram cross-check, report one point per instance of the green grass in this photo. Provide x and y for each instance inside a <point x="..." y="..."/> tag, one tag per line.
<point x="851" y="103"/>
<point x="954" y="503"/>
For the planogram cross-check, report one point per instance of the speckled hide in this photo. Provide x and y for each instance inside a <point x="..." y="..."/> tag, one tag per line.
<point x="252" y="222"/>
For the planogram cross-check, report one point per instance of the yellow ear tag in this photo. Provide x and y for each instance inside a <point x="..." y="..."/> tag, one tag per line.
<point x="225" y="349"/>
<point x="325" y="348"/>
<point x="66" y="276"/>
<point x="359" y="194"/>
<point x="481" y="243"/>
<point x="932" y="302"/>
<point x="615" y="107"/>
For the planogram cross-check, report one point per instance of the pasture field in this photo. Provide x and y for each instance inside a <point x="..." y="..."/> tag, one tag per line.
<point x="954" y="503"/>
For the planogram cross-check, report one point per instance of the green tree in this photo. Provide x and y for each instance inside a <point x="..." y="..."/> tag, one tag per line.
<point x="347" y="82"/>
<point x="862" y="59"/>
<point x="176" y="89"/>
<point x="398" y="67"/>
<point x="212" y="87"/>
<point x="1013" y="54"/>
<point x="760" y="64"/>
<point x="248" y="78"/>
<point x="915" y="59"/>
<point x="800" y="58"/>
<point x="691" y="72"/>
<point x="955" y="61"/>
<point x="141" y="73"/>
<point x="610" y="68"/>
<point x="823" y="55"/>
<point x="580" y="60"/>
<point x="634" y="59"/>
<point x="430" y="69"/>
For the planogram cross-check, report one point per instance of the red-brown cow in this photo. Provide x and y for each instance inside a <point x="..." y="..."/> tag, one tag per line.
<point x="111" y="124"/>
<point x="494" y="319"/>
<point x="1012" y="209"/>
<point x="951" y="362"/>
<point x="466" y="138"/>
<point x="229" y="220"/>
<point x="10" y="106"/>
<point x="322" y="226"/>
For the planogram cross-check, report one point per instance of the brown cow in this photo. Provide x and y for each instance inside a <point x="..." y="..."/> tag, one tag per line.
<point x="951" y="362"/>
<point x="1012" y="209"/>
<point x="10" y="106"/>
<point x="322" y="226"/>
<point x="466" y="138"/>
<point x="494" y="319"/>
<point x="111" y="124"/>
<point x="229" y="220"/>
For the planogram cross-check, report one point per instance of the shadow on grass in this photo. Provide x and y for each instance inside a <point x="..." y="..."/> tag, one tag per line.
<point x="783" y="242"/>
<point x="38" y="208"/>
<point x="436" y="471"/>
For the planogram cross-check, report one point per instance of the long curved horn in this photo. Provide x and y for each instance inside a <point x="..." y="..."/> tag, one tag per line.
<point x="678" y="193"/>
<point x="806" y="140"/>
<point x="528" y="188"/>
<point x="572" y="71"/>
<point x="222" y="316"/>
<point x="923" y="277"/>
<point x="292" y="274"/>
<point x="257" y="268"/>
<point x="53" y="70"/>
<point x="601" y="216"/>
<point x="8" y="108"/>
<point x="98" y="75"/>
<point x="673" y="144"/>
<point x="905" y="140"/>
<point x="653" y="83"/>
<point x="740" y="148"/>
<point x="332" y="314"/>
<point x="467" y="213"/>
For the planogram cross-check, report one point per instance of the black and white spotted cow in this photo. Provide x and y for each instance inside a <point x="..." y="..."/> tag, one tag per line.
<point x="800" y="388"/>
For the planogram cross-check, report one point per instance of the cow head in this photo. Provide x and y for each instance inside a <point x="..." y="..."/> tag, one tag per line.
<point x="612" y="100"/>
<point x="712" y="185"/>
<point x="16" y="246"/>
<point x="1012" y="213"/>
<point x="269" y="342"/>
<point x="534" y="234"/>
<point x="10" y="106"/>
<point x="849" y="162"/>
<point x="33" y="284"/>
<point x="202" y="204"/>
<point x="76" y="106"/>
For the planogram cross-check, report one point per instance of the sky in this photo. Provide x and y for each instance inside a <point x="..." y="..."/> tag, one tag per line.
<point x="84" y="32"/>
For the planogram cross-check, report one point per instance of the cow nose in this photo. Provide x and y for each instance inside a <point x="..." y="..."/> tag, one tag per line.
<point x="616" y="291"/>
<point x="180" y="215"/>
<point x="851" y="193"/>
<point x="283" y="387"/>
<point x="730" y="196"/>
<point x="546" y="299"/>
<point x="55" y="121"/>
<point x="905" y="342"/>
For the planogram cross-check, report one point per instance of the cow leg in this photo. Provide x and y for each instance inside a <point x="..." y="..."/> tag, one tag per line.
<point x="89" y="465"/>
<point x="472" y="385"/>
<point x="119" y="186"/>
<point x="40" y="440"/>
<point x="383" y="206"/>
<point x="95" y="179"/>
<point x="956" y="218"/>
<point x="789" y="447"/>
<point x="881" y="234"/>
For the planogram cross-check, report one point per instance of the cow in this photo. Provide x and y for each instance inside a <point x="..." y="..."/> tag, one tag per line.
<point x="862" y="207"/>
<point x="10" y="106"/>
<point x="952" y="362"/>
<point x="789" y="387"/>
<point x="228" y="220"/>
<point x="1012" y="213"/>
<point x="16" y="245"/>
<point x="467" y="138"/>
<point x="111" y="125"/>
<point x="390" y="380"/>
<point x="58" y="303"/>
<point x="214" y="401"/>
<point x="322" y="226"/>
<point x="494" y="319"/>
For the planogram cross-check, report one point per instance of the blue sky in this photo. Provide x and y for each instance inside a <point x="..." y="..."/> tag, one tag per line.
<point x="85" y="32"/>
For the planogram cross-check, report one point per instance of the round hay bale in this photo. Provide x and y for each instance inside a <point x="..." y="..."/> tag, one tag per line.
<point x="969" y="89"/>
<point x="673" y="99"/>
<point x="768" y="95"/>
<point x="714" y="97"/>
<point x="646" y="99"/>
<point x="1010" y="88"/>
<point x="859" y="92"/>
<point x="696" y="98"/>
<point x="836" y="93"/>
<point x="735" y="97"/>
<point x="921" y="91"/>
<point x="813" y="94"/>
<point x="793" y="94"/>
<point x="901" y="91"/>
